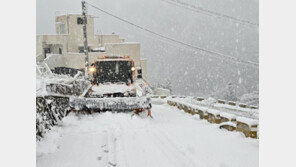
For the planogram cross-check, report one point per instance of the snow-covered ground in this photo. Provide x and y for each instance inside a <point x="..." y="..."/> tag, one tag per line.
<point x="172" y="139"/>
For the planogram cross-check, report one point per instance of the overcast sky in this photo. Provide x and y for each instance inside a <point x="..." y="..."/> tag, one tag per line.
<point x="190" y="72"/>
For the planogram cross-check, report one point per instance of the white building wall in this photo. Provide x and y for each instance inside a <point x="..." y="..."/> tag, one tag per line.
<point x="76" y="60"/>
<point x="122" y="49"/>
<point x="42" y="40"/>
<point x="72" y="36"/>
<point x="144" y="68"/>
<point x="112" y="38"/>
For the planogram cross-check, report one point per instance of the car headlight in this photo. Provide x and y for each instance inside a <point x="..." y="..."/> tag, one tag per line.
<point x="133" y="68"/>
<point x="92" y="69"/>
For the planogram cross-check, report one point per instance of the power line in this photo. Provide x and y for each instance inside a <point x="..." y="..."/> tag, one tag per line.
<point x="210" y="53"/>
<point x="180" y="46"/>
<point x="208" y="12"/>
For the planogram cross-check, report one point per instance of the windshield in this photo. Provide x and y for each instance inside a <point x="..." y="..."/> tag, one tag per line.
<point x="113" y="71"/>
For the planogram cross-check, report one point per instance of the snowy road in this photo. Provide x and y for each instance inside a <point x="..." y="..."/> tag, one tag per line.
<point x="172" y="139"/>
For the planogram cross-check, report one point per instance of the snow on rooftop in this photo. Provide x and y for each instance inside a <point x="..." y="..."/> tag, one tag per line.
<point x="235" y="107"/>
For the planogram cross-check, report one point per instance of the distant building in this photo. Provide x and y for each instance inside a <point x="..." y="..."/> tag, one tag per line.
<point x="68" y="46"/>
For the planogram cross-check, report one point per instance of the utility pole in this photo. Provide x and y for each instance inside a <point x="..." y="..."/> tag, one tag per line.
<point x="85" y="38"/>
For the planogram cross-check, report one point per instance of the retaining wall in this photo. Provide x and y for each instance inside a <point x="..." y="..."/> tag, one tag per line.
<point x="248" y="126"/>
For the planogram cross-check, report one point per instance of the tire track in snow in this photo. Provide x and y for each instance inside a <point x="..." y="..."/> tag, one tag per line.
<point x="156" y="139"/>
<point x="168" y="147"/>
<point x="130" y="142"/>
<point x="116" y="148"/>
<point x="120" y="149"/>
<point x="111" y="145"/>
<point x="102" y="156"/>
<point x="107" y="150"/>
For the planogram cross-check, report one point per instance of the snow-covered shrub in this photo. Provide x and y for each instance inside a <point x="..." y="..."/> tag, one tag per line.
<point x="250" y="98"/>
<point x="49" y="112"/>
<point x="209" y="101"/>
<point x="43" y="119"/>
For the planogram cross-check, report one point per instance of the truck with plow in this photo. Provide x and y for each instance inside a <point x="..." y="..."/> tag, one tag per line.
<point x="113" y="88"/>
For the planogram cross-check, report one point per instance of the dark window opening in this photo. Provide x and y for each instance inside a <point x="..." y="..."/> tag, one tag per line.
<point x="46" y="50"/>
<point x="60" y="51"/>
<point x="80" y="20"/>
<point x="81" y="49"/>
<point x="139" y="73"/>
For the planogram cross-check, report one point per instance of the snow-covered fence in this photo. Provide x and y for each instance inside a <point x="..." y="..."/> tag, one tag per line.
<point x="75" y="87"/>
<point x="226" y="117"/>
<point x="228" y="121"/>
<point x="49" y="112"/>
<point x="199" y="98"/>
<point x="229" y="104"/>
<point x="61" y="85"/>
<point x="42" y="69"/>
<point x="253" y="107"/>
<point x="248" y="126"/>
<point x="52" y="99"/>
<point x="54" y="60"/>
<point x="221" y="101"/>
<point x="40" y="58"/>
<point x="238" y="109"/>
<point x="232" y="103"/>
<point x="214" y="116"/>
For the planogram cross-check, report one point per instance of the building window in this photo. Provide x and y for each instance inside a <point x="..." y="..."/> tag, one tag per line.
<point x="81" y="49"/>
<point x="139" y="73"/>
<point x="62" y="29"/>
<point x="60" y="51"/>
<point x="80" y="20"/>
<point x="46" y="50"/>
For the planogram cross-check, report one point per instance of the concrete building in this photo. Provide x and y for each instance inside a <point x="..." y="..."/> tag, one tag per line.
<point x="66" y="47"/>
